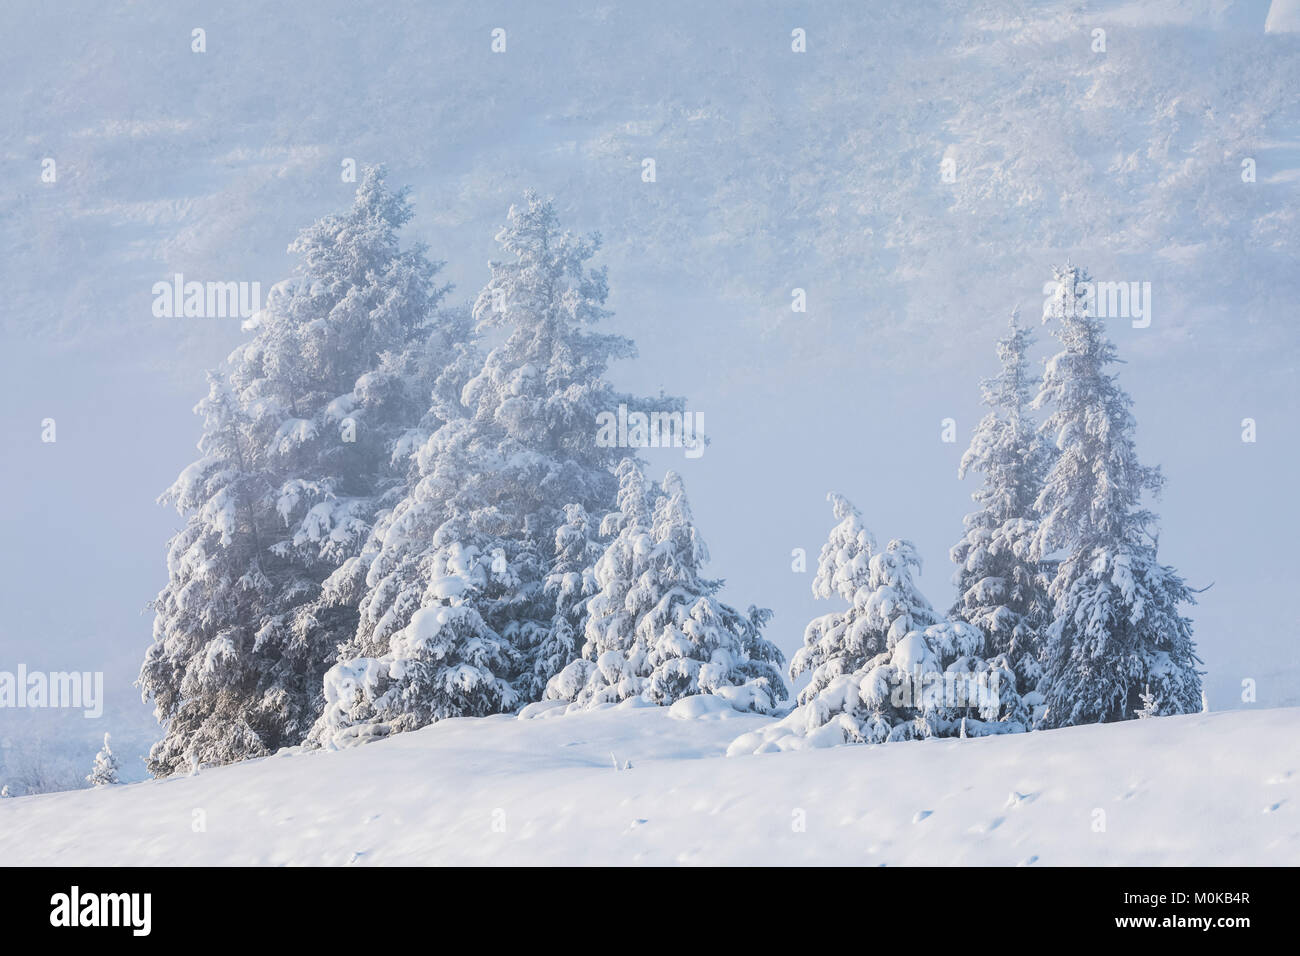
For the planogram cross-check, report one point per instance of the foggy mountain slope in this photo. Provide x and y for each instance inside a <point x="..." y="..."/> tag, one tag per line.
<point x="772" y="167"/>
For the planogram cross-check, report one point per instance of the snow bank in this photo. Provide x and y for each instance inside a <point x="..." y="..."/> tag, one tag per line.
<point x="703" y="707"/>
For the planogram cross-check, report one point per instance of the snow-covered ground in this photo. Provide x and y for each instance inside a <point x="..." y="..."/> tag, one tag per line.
<point x="776" y="170"/>
<point x="1220" y="788"/>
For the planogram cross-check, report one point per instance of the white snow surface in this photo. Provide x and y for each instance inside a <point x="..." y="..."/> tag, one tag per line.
<point x="1219" y="788"/>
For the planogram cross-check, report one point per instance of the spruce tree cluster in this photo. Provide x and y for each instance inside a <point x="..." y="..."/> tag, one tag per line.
<point x="1064" y="614"/>
<point x="400" y="512"/>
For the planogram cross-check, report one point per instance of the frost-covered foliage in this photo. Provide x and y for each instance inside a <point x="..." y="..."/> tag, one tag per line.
<point x="887" y="668"/>
<point x="479" y="528"/>
<point x="307" y="434"/>
<point x="655" y="629"/>
<point x="33" y="762"/>
<point x="571" y="583"/>
<point x="444" y="663"/>
<point x="1001" y="587"/>
<point x="884" y="602"/>
<point x="1117" y="626"/>
<point x="1150" y="705"/>
<point x="104" y="771"/>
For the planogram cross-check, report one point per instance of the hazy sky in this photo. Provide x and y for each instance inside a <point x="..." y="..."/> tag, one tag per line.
<point x="775" y="170"/>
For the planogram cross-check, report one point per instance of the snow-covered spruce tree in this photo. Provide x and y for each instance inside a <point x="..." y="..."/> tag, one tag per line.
<point x="610" y="616"/>
<point x="696" y="643"/>
<point x="1117" y="627"/>
<point x="479" y="528"/>
<point x="835" y="643"/>
<point x="887" y="668"/>
<point x="571" y="583"/>
<point x="104" y="772"/>
<point x="884" y="602"/>
<point x="306" y="438"/>
<point x="655" y="629"/>
<point x="1001" y="588"/>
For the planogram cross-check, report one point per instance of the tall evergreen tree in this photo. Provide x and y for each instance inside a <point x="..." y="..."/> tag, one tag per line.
<point x="655" y="629"/>
<point x="301" y="450"/>
<point x="1117" y="625"/>
<point x="1001" y="587"/>
<point x="496" y="478"/>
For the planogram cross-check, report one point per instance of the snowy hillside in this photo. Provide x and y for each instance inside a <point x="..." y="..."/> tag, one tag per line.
<point x="1214" y="789"/>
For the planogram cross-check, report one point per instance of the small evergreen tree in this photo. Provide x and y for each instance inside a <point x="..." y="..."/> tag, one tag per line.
<point x="1117" y="625"/>
<point x="571" y="583"/>
<point x="104" y="772"/>
<point x="884" y="602"/>
<point x="887" y="668"/>
<point x="696" y="643"/>
<point x="1001" y="587"/>
<point x="655" y="630"/>
<point x="444" y="663"/>
<point x="612" y="612"/>
<point x="1150" y="706"/>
